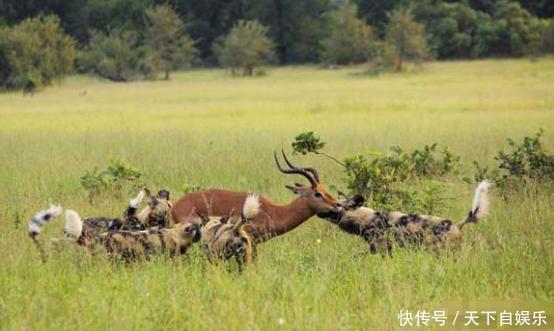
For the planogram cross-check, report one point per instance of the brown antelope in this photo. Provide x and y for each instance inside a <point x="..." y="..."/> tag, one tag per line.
<point x="272" y="220"/>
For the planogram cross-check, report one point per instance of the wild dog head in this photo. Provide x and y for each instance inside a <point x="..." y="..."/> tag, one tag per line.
<point x="156" y="214"/>
<point x="225" y="238"/>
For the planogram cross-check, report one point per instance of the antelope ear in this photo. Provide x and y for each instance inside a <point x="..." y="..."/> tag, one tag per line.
<point x="296" y="190"/>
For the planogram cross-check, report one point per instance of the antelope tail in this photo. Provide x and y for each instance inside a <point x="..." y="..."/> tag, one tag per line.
<point x="73" y="223"/>
<point x="251" y="207"/>
<point x="250" y="210"/>
<point x="480" y="206"/>
<point x="41" y="218"/>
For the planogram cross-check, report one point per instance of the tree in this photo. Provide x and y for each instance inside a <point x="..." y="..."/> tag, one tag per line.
<point x="350" y="40"/>
<point x="165" y="37"/>
<point x="245" y="47"/>
<point x="111" y="56"/>
<point x="35" y="53"/>
<point x="405" y="38"/>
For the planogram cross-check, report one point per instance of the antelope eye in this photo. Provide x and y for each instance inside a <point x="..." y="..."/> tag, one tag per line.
<point x="317" y="195"/>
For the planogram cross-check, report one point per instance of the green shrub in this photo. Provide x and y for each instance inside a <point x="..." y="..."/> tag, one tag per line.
<point x="307" y="142"/>
<point x="34" y="53"/>
<point x="118" y="176"/>
<point x="524" y="163"/>
<point x="385" y="179"/>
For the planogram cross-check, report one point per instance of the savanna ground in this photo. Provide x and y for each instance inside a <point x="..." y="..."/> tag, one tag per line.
<point x="206" y="128"/>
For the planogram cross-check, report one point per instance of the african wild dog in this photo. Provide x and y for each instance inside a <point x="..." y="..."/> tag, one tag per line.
<point x="138" y="244"/>
<point x="380" y="229"/>
<point x="156" y="214"/>
<point x="87" y="230"/>
<point x="225" y="237"/>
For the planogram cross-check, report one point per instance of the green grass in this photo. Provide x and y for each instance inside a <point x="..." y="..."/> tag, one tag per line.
<point x="209" y="129"/>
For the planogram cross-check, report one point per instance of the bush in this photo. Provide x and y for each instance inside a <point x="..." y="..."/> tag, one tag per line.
<point x="34" y="53"/>
<point x="350" y="39"/>
<point x="244" y="48"/>
<point x="527" y="162"/>
<point x="383" y="179"/>
<point x="115" y="178"/>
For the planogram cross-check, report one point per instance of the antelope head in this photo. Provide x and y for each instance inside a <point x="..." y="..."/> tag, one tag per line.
<point x="315" y="195"/>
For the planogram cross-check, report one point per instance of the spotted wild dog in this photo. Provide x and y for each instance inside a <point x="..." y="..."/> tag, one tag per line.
<point x="87" y="230"/>
<point x="156" y="214"/>
<point x="380" y="229"/>
<point x="225" y="237"/>
<point x="138" y="244"/>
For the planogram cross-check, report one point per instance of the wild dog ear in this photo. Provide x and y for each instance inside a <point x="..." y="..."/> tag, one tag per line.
<point x="152" y="201"/>
<point x="204" y="218"/>
<point x="358" y="200"/>
<point x="163" y="194"/>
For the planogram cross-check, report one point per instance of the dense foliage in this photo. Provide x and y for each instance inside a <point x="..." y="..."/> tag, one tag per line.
<point x="162" y="36"/>
<point x="34" y="53"/>
<point x="123" y="55"/>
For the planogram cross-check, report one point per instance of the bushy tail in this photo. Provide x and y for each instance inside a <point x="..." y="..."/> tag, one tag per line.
<point x="73" y="223"/>
<point x="480" y="206"/>
<point x="41" y="218"/>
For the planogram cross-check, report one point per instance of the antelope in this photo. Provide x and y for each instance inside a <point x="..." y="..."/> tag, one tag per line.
<point x="224" y="237"/>
<point x="273" y="219"/>
<point x="379" y="229"/>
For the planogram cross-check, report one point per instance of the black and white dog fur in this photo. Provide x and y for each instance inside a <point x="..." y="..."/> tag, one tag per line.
<point x="380" y="229"/>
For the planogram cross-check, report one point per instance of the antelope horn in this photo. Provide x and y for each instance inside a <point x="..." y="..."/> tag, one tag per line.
<point x="294" y="170"/>
<point x="311" y="170"/>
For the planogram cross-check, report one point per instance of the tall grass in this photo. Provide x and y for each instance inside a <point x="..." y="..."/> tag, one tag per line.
<point x="206" y="128"/>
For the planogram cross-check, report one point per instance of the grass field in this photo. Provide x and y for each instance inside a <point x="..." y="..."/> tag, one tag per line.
<point x="209" y="129"/>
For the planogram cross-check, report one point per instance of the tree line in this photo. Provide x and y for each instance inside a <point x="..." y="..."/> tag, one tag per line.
<point x="145" y="39"/>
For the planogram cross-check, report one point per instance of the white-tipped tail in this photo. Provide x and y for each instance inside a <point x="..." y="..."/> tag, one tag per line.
<point x="251" y="207"/>
<point x="73" y="223"/>
<point x="480" y="206"/>
<point x="43" y="217"/>
<point x="133" y="203"/>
